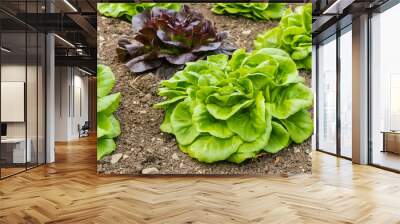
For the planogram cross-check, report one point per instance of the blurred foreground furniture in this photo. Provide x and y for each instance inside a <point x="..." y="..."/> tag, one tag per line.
<point x="391" y="141"/>
<point x="84" y="130"/>
<point x="13" y="151"/>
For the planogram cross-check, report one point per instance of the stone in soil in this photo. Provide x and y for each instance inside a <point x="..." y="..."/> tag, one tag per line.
<point x="115" y="158"/>
<point x="175" y="156"/>
<point x="150" y="170"/>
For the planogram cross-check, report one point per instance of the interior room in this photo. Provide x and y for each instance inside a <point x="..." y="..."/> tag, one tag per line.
<point x="22" y="99"/>
<point x="47" y="81"/>
<point x="385" y="87"/>
<point x="72" y="107"/>
<point x="336" y="83"/>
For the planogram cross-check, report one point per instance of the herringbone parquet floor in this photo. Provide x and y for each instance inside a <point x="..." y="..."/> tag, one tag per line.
<point x="70" y="191"/>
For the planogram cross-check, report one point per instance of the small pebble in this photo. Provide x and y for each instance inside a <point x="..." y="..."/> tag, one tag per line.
<point x="106" y="159"/>
<point x="150" y="170"/>
<point x="246" y="32"/>
<point x="175" y="156"/>
<point x="277" y="159"/>
<point x="115" y="158"/>
<point x="125" y="156"/>
<point x="146" y="98"/>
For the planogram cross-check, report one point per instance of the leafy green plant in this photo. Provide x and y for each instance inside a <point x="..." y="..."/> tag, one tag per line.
<point x="125" y="11"/>
<point x="220" y="109"/>
<point x="254" y="11"/>
<point x="292" y="35"/>
<point x="165" y="40"/>
<point x="108" y="126"/>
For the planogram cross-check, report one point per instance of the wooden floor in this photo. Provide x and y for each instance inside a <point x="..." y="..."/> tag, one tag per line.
<point x="387" y="159"/>
<point x="5" y="172"/>
<point x="70" y="191"/>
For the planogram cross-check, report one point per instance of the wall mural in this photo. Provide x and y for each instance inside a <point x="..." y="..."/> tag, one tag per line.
<point x="219" y="88"/>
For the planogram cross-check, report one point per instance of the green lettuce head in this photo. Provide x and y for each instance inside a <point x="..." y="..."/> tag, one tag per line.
<point x="254" y="11"/>
<point x="292" y="35"/>
<point x="108" y="127"/>
<point x="126" y="11"/>
<point x="220" y="109"/>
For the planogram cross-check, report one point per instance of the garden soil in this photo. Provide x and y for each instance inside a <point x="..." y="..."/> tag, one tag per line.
<point x="142" y="148"/>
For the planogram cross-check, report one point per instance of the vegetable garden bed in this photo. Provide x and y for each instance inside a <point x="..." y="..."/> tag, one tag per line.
<point x="143" y="148"/>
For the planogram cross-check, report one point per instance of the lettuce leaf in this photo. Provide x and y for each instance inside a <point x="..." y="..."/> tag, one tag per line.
<point x="279" y="138"/>
<point x="182" y="124"/>
<point x="105" y="146"/>
<point x="105" y="82"/>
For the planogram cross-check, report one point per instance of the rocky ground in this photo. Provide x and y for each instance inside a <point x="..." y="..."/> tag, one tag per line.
<point x="142" y="148"/>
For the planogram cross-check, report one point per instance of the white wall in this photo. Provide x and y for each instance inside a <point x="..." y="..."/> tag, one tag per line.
<point x="13" y="101"/>
<point x="14" y="73"/>
<point x="62" y="81"/>
<point x="34" y="125"/>
<point x="80" y="89"/>
<point x="70" y="82"/>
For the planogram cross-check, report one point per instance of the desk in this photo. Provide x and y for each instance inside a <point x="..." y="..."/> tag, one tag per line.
<point x="18" y="149"/>
<point x="391" y="141"/>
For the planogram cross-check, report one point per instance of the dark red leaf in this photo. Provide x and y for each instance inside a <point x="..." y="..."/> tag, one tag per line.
<point x="133" y="61"/>
<point x="132" y="49"/>
<point x="143" y="66"/>
<point x="181" y="59"/>
<point x="208" y="47"/>
<point x="139" y="20"/>
<point x="166" y="71"/>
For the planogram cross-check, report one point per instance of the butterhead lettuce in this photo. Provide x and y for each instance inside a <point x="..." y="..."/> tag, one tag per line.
<point x="254" y="11"/>
<point x="293" y="34"/>
<point x="221" y="109"/>
<point x="126" y="11"/>
<point x="108" y="126"/>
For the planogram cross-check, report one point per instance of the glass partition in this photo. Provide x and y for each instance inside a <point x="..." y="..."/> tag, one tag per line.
<point x="22" y="99"/>
<point x="346" y="92"/>
<point x="327" y="96"/>
<point x="13" y="94"/>
<point x="41" y="97"/>
<point x="385" y="89"/>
